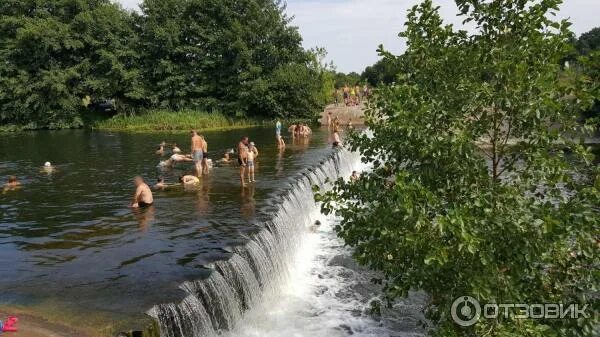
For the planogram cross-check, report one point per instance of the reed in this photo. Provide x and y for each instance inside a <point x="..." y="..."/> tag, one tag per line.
<point x="163" y="120"/>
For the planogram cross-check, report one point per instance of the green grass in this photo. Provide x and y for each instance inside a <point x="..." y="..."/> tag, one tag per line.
<point x="174" y="121"/>
<point x="161" y="120"/>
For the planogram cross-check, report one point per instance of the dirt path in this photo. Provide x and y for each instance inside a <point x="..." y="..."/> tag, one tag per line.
<point x="344" y="113"/>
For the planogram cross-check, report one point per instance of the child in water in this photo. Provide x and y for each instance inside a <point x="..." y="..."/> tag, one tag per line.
<point x="176" y="149"/>
<point x="12" y="184"/>
<point x="250" y="165"/>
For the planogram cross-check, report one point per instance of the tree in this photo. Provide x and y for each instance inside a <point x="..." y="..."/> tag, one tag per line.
<point x="588" y="45"/>
<point x="384" y="71"/>
<point x="477" y="187"/>
<point x="55" y="53"/>
<point x="589" y="42"/>
<point x="208" y="55"/>
<point x="342" y="79"/>
<point x="221" y="55"/>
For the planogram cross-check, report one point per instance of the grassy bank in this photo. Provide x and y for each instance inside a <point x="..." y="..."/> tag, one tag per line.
<point x="174" y="121"/>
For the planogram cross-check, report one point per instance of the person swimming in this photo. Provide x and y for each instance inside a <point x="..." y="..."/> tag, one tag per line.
<point x="160" y="150"/>
<point x="315" y="227"/>
<point x="354" y="177"/>
<point x="160" y="184"/>
<point x="189" y="180"/>
<point x="174" y="159"/>
<point x="143" y="195"/>
<point x="48" y="168"/>
<point x="175" y="148"/>
<point x="12" y="184"/>
<point x="226" y="159"/>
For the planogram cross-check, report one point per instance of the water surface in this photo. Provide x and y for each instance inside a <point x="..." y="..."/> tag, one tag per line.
<point x="69" y="240"/>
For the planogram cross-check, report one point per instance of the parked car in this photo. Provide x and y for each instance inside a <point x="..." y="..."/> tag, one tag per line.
<point x="104" y="106"/>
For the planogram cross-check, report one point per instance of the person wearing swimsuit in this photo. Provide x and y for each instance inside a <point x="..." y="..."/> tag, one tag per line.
<point x="242" y="158"/>
<point x="197" y="153"/>
<point x="143" y="195"/>
<point x="250" y="164"/>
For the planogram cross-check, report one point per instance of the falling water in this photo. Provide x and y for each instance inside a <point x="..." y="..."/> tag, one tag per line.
<point x="259" y="269"/>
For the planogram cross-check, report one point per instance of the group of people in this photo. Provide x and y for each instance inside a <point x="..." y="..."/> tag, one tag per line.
<point x="300" y="130"/>
<point x="352" y="95"/>
<point x="13" y="182"/>
<point x="247" y="154"/>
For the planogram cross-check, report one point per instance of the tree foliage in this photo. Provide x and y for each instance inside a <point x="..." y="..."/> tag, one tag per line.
<point x="477" y="187"/>
<point x="588" y="46"/>
<point x="211" y="55"/>
<point x="54" y="53"/>
<point x="384" y="71"/>
<point x="589" y="42"/>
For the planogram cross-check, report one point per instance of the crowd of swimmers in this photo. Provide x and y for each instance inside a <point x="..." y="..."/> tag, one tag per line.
<point x="247" y="155"/>
<point x="351" y="95"/>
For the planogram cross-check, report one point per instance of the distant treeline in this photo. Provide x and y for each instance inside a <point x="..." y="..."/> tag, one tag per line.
<point x="585" y="55"/>
<point x="240" y="58"/>
<point x="386" y="70"/>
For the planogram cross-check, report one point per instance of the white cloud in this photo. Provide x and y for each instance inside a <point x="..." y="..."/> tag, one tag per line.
<point x="351" y="30"/>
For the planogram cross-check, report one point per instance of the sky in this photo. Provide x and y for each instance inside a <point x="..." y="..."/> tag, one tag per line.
<point x="351" y="30"/>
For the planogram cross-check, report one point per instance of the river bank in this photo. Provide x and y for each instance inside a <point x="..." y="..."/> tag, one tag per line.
<point x="164" y="121"/>
<point x="35" y="326"/>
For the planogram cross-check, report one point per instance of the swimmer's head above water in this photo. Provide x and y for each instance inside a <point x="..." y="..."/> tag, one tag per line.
<point x="47" y="164"/>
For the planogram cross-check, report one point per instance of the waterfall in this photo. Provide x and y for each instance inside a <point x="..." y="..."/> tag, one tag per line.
<point x="259" y="266"/>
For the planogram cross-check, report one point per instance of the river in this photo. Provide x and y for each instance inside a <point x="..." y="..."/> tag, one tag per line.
<point x="72" y="251"/>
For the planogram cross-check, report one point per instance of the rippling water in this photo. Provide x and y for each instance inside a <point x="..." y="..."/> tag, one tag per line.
<point x="68" y="239"/>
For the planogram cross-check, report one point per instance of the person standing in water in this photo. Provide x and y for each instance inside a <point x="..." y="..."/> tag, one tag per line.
<point x="280" y="142"/>
<point x="143" y="195"/>
<point x="204" y="155"/>
<point x="251" y="156"/>
<point x="278" y="128"/>
<point x="252" y="148"/>
<point x="197" y="153"/>
<point x="242" y="158"/>
<point x="336" y="138"/>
